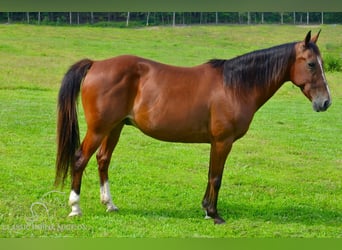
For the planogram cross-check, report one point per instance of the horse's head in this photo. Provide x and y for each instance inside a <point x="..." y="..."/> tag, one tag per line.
<point x="308" y="74"/>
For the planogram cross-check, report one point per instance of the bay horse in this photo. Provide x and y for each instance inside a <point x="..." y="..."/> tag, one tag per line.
<point x="210" y="103"/>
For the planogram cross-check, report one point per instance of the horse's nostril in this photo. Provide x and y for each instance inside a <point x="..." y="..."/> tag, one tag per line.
<point x="326" y="104"/>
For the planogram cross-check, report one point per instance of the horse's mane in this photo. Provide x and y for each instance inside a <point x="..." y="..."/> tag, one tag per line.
<point x="257" y="68"/>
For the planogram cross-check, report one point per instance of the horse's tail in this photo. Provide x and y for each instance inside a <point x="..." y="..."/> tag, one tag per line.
<point x="68" y="138"/>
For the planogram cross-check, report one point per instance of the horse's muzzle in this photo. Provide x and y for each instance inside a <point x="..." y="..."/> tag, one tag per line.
<point x="320" y="106"/>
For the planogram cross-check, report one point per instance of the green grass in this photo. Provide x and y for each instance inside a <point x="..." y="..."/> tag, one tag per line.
<point x="283" y="179"/>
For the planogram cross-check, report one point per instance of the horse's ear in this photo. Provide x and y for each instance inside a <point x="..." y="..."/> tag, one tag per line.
<point x="315" y="38"/>
<point x="307" y="38"/>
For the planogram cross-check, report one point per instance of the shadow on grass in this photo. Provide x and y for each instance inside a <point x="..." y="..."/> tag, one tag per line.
<point x="282" y="215"/>
<point x="290" y="213"/>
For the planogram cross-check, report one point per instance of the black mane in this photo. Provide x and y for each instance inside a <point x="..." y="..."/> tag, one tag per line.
<point x="257" y="68"/>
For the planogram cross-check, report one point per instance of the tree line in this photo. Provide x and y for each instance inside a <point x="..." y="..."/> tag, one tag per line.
<point x="169" y="18"/>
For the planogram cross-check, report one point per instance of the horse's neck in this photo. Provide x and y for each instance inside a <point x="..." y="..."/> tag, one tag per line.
<point x="264" y="93"/>
<point x="256" y="96"/>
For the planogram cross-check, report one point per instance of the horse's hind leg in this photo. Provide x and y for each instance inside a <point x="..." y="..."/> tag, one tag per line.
<point x="89" y="145"/>
<point x="103" y="159"/>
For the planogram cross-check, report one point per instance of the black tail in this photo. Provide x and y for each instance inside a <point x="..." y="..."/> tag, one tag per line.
<point x="68" y="138"/>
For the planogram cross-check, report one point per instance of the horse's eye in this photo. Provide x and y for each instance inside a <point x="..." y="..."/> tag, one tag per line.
<point x="311" y="65"/>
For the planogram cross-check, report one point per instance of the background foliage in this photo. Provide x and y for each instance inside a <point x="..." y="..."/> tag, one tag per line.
<point x="133" y="19"/>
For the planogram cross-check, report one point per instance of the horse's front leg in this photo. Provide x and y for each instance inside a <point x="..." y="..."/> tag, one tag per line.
<point x="218" y="155"/>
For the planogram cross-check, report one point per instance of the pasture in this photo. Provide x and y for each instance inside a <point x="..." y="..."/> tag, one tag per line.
<point x="282" y="179"/>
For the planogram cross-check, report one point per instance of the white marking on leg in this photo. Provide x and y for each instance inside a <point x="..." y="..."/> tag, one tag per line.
<point x="106" y="198"/>
<point x="74" y="202"/>
<point x="206" y="217"/>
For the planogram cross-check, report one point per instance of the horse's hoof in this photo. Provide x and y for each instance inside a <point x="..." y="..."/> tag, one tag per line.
<point x="219" y="221"/>
<point x="207" y="217"/>
<point x="112" y="208"/>
<point x="75" y="213"/>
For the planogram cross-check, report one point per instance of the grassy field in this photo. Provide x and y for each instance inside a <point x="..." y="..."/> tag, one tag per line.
<point x="283" y="179"/>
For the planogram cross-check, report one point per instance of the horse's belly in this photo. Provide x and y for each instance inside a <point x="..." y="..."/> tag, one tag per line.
<point x="173" y="129"/>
